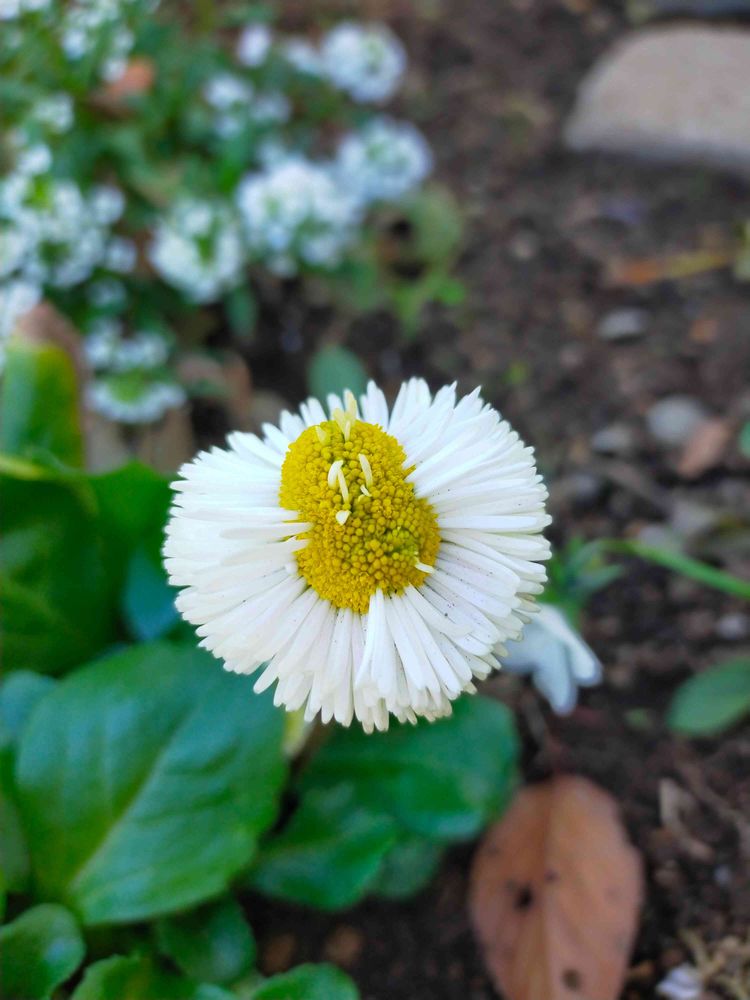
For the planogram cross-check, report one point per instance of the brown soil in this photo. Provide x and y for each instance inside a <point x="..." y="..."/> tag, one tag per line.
<point x="493" y="81"/>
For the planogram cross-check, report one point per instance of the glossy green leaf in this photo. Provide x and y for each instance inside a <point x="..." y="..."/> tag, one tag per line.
<point x="19" y="694"/>
<point x="333" y="369"/>
<point x="138" y="978"/>
<point x="144" y="780"/>
<point x="39" y="408"/>
<point x="212" y="944"/>
<point x="328" y="854"/>
<point x="148" y="607"/>
<point x="57" y="598"/>
<point x="308" y="982"/>
<point x="408" y="867"/>
<point x="713" y="700"/>
<point x="38" y="951"/>
<point x="443" y="780"/>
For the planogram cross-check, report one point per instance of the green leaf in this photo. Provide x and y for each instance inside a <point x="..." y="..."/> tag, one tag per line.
<point x="19" y="693"/>
<point x="39" y="402"/>
<point x="39" y="951"/>
<point x="213" y="944"/>
<point x="408" y="867"/>
<point x="14" y="858"/>
<point x="137" y="978"/>
<point x="744" y="440"/>
<point x="242" y="313"/>
<point x="333" y="369"/>
<point x="442" y="780"/>
<point x="438" y="226"/>
<point x="148" y="606"/>
<point x="694" y="569"/>
<point x="144" y="781"/>
<point x="712" y="701"/>
<point x="57" y="599"/>
<point x="328" y="854"/>
<point x="308" y="982"/>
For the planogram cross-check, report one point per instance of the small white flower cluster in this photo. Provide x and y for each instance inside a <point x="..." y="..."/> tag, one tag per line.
<point x="131" y="387"/>
<point x="16" y="299"/>
<point x="51" y="232"/>
<point x="198" y="248"/>
<point x="55" y="113"/>
<point x="10" y="10"/>
<point x="238" y="107"/>
<point x="367" y="62"/>
<point x="294" y="213"/>
<point x="126" y="402"/>
<point x="99" y="29"/>
<point x="383" y="161"/>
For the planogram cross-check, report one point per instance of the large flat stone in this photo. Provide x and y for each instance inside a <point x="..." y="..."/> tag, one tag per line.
<point x="678" y="94"/>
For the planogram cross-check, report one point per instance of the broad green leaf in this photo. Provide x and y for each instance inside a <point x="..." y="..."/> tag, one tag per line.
<point x="328" y="854"/>
<point x="57" y="599"/>
<point x="38" y="951"/>
<point x="744" y="440"/>
<point x="308" y="982"/>
<point x="408" y="867"/>
<point x="14" y="858"/>
<point x="39" y="408"/>
<point x="333" y="369"/>
<point x="19" y="693"/>
<point x="712" y="701"/>
<point x="442" y="780"/>
<point x="144" y="780"/>
<point x="138" y="978"/>
<point x="148" y="606"/>
<point x="213" y="944"/>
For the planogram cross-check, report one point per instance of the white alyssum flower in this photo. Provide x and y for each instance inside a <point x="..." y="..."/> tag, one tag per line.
<point x="225" y="90"/>
<point x="376" y="560"/>
<point x="118" y="401"/>
<point x="682" y="983"/>
<point x="383" y="161"/>
<point x="254" y="45"/>
<point x="56" y="112"/>
<point x="34" y="160"/>
<point x="366" y="61"/>
<point x="302" y="56"/>
<point x="107" y="293"/>
<point x="12" y="9"/>
<point x="198" y="249"/>
<point x="557" y="658"/>
<point x="16" y="299"/>
<point x="121" y="255"/>
<point x="294" y="213"/>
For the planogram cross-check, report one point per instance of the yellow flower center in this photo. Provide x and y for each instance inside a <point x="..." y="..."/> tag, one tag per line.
<point x="346" y="478"/>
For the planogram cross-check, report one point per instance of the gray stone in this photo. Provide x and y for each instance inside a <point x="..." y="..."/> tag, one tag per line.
<point x="615" y="439"/>
<point x="673" y="419"/>
<point x="733" y="627"/>
<point x="622" y="324"/>
<point x="678" y="94"/>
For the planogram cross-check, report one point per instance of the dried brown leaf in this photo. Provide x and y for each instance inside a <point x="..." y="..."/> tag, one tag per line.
<point x="555" y="892"/>
<point x="705" y="448"/>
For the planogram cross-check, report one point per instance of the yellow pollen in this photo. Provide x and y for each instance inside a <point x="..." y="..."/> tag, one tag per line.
<point x="385" y="538"/>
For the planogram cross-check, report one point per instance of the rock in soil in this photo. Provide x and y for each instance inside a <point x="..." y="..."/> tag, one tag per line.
<point x="622" y="324"/>
<point x="673" y="420"/>
<point x="677" y="93"/>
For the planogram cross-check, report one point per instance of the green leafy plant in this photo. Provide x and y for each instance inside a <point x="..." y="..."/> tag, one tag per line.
<point x="712" y="701"/>
<point x="143" y="789"/>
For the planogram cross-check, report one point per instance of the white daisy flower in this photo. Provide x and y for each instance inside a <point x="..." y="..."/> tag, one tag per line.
<point x="557" y="658"/>
<point x="366" y="61"/>
<point x="374" y="560"/>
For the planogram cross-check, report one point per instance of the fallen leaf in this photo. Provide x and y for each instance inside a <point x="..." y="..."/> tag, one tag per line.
<point x="705" y="448"/>
<point x="555" y="893"/>
<point x="650" y="270"/>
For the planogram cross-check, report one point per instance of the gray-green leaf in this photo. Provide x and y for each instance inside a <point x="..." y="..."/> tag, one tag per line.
<point x="333" y="369"/>
<point x="144" y="781"/>
<point x="712" y="701"/>
<point x="38" y="951"/>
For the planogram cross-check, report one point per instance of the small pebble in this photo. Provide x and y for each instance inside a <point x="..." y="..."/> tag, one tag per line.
<point x="733" y="627"/>
<point x="615" y="439"/>
<point x="673" y="419"/>
<point x="623" y="324"/>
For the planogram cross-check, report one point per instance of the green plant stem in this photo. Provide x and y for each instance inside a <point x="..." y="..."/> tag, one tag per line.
<point x="677" y="562"/>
